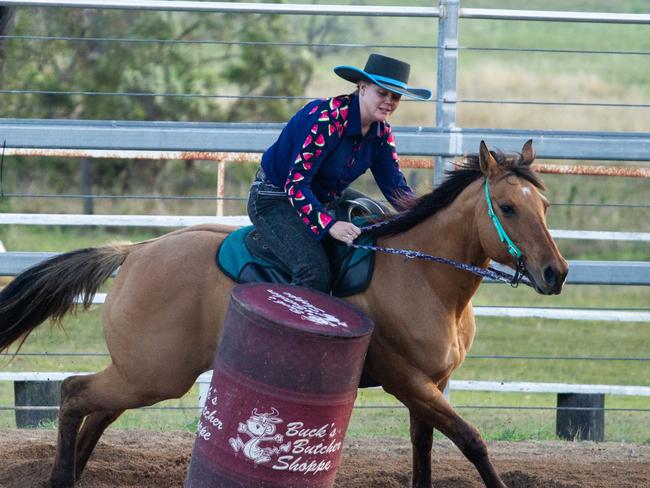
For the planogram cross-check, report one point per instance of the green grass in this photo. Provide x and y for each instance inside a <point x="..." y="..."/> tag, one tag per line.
<point x="498" y="424"/>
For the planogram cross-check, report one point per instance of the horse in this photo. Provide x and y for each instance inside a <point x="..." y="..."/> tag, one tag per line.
<point x="165" y="311"/>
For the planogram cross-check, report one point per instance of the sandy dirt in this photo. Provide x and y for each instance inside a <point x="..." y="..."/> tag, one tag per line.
<point x="146" y="459"/>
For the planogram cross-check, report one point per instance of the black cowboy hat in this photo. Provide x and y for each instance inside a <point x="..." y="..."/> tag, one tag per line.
<point x="391" y="74"/>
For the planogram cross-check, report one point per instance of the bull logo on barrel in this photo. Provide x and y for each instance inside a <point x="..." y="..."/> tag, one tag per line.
<point x="260" y="427"/>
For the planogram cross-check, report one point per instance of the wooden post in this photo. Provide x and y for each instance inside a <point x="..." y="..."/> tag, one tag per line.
<point x="38" y="394"/>
<point x="221" y="186"/>
<point x="581" y="424"/>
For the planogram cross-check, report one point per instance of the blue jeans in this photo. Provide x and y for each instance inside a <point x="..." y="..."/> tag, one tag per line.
<point x="282" y="230"/>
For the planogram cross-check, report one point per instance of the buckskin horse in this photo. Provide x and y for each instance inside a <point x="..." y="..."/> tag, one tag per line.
<point x="163" y="317"/>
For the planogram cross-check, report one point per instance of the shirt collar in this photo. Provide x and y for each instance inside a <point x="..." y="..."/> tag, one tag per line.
<point x="354" y="117"/>
<point x="354" y="121"/>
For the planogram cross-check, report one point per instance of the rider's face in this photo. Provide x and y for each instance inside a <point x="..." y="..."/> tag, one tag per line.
<point x="376" y="103"/>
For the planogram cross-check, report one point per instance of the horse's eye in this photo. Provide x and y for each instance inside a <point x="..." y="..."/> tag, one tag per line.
<point x="507" y="210"/>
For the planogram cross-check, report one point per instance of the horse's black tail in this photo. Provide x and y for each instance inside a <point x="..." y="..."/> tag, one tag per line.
<point x="51" y="288"/>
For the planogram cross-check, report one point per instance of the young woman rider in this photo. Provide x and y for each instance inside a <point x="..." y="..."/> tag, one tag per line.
<point x="327" y="145"/>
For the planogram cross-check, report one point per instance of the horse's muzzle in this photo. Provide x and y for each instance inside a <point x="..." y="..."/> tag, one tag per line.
<point x="550" y="279"/>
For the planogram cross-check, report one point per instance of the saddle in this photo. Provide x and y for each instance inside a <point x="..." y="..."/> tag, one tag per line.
<point x="245" y="258"/>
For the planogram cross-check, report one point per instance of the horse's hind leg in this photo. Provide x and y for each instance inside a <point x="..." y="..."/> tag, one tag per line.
<point x="92" y="429"/>
<point x="422" y="441"/>
<point x="71" y="414"/>
<point x="83" y="396"/>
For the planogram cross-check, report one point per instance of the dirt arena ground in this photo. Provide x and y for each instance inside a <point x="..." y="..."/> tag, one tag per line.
<point x="139" y="459"/>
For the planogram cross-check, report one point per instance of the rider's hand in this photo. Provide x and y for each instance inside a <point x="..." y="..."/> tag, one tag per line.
<point x="344" y="232"/>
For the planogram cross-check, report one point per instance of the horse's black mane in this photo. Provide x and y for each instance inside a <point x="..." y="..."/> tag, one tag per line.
<point x="456" y="181"/>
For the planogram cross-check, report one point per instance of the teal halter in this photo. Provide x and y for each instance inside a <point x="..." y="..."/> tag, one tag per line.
<point x="512" y="248"/>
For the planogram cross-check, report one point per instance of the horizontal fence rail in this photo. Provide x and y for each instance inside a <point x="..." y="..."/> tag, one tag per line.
<point x="199" y="137"/>
<point x="580" y="272"/>
<point x="553" y="313"/>
<point x="304" y="98"/>
<point x="311" y="9"/>
<point x="234" y="7"/>
<point x="556" y="313"/>
<point x="469" y="356"/>
<point x="255" y="158"/>
<point x="203" y="381"/>
<point x="549" y="16"/>
<point x="351" y="45"/>
<point x="121" y="220"/>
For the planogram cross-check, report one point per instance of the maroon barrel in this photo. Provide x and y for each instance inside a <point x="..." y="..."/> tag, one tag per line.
<point x="284" y="382"/>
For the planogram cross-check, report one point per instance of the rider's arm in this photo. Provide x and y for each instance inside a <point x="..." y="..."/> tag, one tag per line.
<point x="387" y="174"/>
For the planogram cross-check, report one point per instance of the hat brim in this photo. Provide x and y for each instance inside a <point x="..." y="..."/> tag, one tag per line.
<point x="354" y="75"/>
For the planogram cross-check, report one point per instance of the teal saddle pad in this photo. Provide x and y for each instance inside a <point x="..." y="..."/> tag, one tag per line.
<point x="351" y="268"/>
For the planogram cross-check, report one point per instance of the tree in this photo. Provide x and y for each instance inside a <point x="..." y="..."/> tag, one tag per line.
<point x="68" y="68"/>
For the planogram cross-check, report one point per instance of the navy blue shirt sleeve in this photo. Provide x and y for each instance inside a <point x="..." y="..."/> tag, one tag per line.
<point x="386" y="172"/>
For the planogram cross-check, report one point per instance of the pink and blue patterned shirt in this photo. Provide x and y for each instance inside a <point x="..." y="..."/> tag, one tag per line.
<point x="321" y="151"/>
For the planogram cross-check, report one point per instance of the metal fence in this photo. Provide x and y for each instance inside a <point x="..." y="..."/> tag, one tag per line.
<point x="444" y="140"/>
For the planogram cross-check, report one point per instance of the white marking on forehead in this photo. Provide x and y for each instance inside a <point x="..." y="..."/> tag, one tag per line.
<point x="525" y="190"/>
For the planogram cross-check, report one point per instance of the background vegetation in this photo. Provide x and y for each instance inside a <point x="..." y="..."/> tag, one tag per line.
<point x="224" y="69"/>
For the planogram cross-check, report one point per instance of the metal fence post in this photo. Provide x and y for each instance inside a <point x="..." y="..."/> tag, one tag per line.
<point x="446" y="76"/>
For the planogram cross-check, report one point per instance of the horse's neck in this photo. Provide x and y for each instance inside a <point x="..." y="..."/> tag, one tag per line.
<point x="451" y="233"/>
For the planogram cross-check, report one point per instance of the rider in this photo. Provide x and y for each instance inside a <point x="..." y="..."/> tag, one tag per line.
<point x="323" y="148"/>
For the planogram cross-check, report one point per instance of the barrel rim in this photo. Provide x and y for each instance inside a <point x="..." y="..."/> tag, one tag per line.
<point x="361" y="331"/>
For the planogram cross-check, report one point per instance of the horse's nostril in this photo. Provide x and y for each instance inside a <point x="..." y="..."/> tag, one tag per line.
<point x="550" y="276"/>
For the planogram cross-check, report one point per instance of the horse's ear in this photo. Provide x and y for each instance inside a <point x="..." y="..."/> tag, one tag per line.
<point x="486" y="160"/>
<point x="527" y="153"/>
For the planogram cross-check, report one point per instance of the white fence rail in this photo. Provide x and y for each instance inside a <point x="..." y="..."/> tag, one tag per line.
<point x="601" y="272"/>
<point x="311" y="9"/>
<point x="203" y="382"/>
<point x="241" y="220"/>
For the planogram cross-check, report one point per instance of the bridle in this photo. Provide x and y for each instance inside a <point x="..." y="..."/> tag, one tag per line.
<point x="514" y="251"/>
<point x="489" y="272"/>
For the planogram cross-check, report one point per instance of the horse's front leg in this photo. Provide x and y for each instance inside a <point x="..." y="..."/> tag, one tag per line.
<point x="422" y="441"/>
<point x="428" y="406"/>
